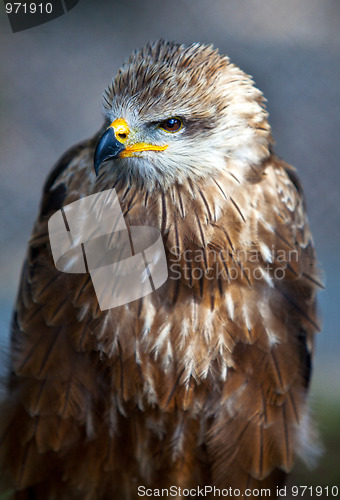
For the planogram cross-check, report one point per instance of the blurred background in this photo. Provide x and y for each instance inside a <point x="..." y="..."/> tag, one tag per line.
<point x="52" y="79"/>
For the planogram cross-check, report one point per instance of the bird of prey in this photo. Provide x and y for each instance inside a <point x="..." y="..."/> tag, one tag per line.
<point x="204" y="381"/>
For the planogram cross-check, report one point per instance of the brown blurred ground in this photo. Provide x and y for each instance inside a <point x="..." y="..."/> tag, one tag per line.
<point x="52" y="78"/>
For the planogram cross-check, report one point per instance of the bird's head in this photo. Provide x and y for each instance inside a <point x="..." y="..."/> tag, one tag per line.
<point x="176" y="112"/>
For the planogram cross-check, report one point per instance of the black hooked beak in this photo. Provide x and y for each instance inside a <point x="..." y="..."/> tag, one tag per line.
<point x="107" y="148"/>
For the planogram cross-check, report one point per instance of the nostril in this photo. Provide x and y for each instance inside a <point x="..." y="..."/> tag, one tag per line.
<point x="122" y="136"/>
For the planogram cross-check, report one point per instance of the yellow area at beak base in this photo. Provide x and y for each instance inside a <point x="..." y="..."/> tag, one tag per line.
<point x="121" y="129"/>
<point x="141" y="146"/>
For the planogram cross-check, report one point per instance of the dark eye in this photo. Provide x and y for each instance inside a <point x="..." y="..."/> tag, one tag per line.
<point x="171" y="125"/>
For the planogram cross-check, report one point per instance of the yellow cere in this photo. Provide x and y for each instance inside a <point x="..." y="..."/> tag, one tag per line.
<point x="121" y="129"/>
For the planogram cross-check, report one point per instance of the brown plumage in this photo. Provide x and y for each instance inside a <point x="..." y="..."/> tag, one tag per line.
<point x="205" y="380"/>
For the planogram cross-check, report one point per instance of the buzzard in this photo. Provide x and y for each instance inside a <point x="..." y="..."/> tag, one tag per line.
<point x="204" y="381"/>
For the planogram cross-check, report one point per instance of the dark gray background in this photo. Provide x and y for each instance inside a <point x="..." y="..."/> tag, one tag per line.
<point x="53" y="76"/>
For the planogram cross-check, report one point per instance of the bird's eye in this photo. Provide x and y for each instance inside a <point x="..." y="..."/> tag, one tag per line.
<point x="171" y="125"/>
